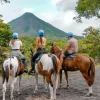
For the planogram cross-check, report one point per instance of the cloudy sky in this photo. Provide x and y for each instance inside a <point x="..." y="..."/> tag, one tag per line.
<point x="59" y="13"/>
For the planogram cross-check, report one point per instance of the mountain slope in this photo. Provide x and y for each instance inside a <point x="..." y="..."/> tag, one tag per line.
<point x="29" y="24"/>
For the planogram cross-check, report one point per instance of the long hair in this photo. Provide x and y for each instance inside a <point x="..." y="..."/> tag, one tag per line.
<point x="41" y="39"/>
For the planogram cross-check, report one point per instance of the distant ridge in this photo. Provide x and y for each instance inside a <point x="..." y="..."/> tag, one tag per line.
<point x="28" y="24"/>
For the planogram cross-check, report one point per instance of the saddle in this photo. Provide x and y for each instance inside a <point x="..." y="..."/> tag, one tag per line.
<point x="38" y="58"/>
<point x="71" y="56"/>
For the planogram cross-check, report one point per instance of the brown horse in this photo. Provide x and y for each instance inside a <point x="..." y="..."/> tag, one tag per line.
<point x="14" y="67"/>
<point x="80" y="62"/>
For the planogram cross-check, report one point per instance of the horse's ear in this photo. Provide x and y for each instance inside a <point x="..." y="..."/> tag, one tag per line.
<point x="53" y="44"/>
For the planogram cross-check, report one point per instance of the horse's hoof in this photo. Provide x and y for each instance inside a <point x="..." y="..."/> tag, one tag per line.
<point x="89" y="94"/>
<point x="12" y="98"/>
<point x="19" y="93"/>
<point x="46" y="91"/>
<point x="35" y="91"/>
<point x="60" y="87"/>
<point x="67" y="87"/>
<point x="54" y="98"/>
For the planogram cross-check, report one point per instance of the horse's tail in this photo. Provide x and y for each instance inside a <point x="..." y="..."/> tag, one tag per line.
<point x="91" y="71"/>
<point x="6" y="71"/>
<point x="54" y="62"/>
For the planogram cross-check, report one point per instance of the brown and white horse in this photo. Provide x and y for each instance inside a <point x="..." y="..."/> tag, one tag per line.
<point x="14" y="67"/>
<point x="80" y="62"/>
<point x="48" y="65"/>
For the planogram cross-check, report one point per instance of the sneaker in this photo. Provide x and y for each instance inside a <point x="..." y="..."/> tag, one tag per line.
<point x="26" y="70"/>
<point x="31" y="72"/>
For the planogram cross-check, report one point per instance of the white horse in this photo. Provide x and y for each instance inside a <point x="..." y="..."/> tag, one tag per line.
<point x="48" y="65"/>
<point x="14" y="67"/>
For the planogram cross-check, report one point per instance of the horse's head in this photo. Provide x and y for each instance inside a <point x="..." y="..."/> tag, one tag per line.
<point x="56" y="50"/>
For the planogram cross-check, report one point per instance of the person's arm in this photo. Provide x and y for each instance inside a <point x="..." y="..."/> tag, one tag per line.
<point x="20" y="46"/>
<point x="67" y="47"/>
<point x="45" y="43"/>
<point x="37" y="44"/>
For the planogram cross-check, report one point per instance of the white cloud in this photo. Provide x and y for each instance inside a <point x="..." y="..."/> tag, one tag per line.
<point x="28" y="10"/>
<point x="66" y="5"/>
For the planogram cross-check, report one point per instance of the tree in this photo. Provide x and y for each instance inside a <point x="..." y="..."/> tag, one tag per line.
<point x="5" y="36"/>
<point x="92" y="42"/>
<point x="6" y="1"/>
<point x="87" y="9"/>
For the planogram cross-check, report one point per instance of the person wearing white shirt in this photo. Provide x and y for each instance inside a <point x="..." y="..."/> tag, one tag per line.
<point x="16" y="47"/>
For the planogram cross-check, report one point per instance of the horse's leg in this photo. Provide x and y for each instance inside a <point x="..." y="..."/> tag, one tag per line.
<point x="12" y="87"/>
<point x="19" y="82"/>
<point x="66" y="75"/>
<point x="87" y="78"/>
<point x="45" y="85"/>
<point x="48" y="79"/>
<point x="4" y="89"/>
<point x="36" y="83"/>
<point x="60" y="78"/>
<point x="56" y="85"/>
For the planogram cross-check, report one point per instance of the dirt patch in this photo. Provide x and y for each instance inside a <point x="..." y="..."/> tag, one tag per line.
<point x="77" y="90"/>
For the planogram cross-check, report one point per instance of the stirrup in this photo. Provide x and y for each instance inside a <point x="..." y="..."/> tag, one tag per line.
<point x="26" y="70"/>
<point x="31" y="72"/>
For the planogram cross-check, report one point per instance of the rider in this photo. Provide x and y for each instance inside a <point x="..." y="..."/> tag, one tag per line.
<point x="16" y="47"/>
<point x="40" y="49"/>
<point x="72" y="46"/>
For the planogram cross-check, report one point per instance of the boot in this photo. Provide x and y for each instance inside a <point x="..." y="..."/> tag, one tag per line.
<point x="32" y="70"/>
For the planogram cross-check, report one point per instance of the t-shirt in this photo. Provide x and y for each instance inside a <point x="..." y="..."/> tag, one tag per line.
<point x="16" y="44"/>
<point x="73" y="45"/>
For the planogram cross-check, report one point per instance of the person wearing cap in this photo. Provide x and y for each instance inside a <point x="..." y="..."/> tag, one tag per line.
<point x="40" y="49"/>
<point x="16" y="47"/>
<point x="72" y="45"/>
<point x="71" y="48"/>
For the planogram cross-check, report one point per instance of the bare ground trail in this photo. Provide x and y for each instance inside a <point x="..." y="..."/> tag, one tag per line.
<point x="76" y="91"/>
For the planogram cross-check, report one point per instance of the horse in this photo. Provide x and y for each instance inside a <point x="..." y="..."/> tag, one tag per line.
<point x="81" y="63"/>
<point x="48" y="65"/>
<point x="12" y="66"/>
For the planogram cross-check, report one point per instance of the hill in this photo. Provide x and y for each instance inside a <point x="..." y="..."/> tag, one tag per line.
<point x="29" y="24"/>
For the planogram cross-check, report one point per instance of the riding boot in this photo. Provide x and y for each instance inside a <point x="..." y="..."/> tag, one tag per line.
<point x="32" y="70"/>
